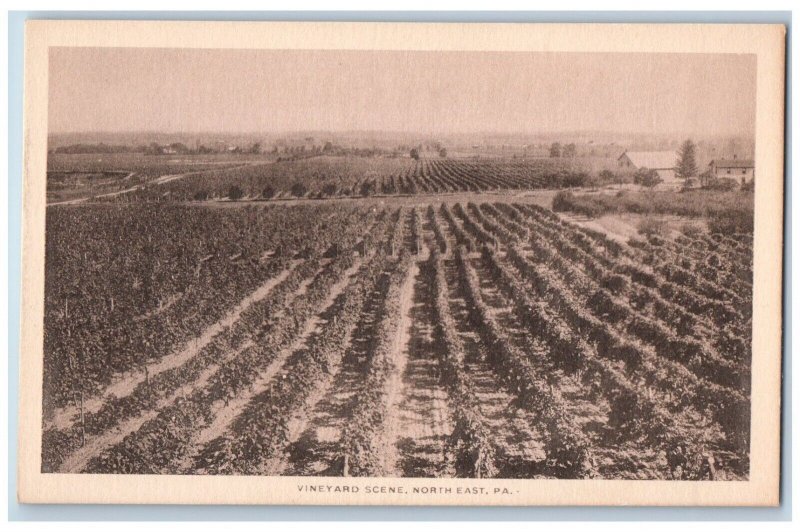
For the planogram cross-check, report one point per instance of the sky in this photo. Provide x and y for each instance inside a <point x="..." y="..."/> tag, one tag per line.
<point x="270" y="91"/>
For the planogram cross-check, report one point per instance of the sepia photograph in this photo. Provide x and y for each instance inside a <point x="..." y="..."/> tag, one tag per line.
<point x="433" y="264"/>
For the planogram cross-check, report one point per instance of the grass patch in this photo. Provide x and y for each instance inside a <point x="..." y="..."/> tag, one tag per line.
<point x="726" y="212"/>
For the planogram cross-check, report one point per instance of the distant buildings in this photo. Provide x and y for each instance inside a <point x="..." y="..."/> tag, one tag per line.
<point x="663" y="162"/>
<point x="732" y="168"/>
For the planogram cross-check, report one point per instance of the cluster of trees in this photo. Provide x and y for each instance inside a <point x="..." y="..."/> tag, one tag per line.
<point x="154" y="148"/>
<point x="566" y="151"/>
<point x="438" y="148"/>
<point x="97" y="148"/>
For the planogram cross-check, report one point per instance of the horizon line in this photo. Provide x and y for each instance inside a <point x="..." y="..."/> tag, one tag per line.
<point x="400" y="132"/>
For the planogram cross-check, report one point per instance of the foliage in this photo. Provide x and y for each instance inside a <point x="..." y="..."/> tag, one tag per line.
<point x="235" y="193"/>
<point x="723" y="184"/>
<point x="656" y="333"/>
<point x="691" y="229"/>
<point x="607" y="176"/>
<point x="651" y="226"/>
<point x="567" y="201"/>
<point x="725" y="207"/>
<point x="646" y="177"/>
<point x="299" y="190"/>
<point x="730" y="221"/>
<point x="686" y="165"/>
<point x="368" y="188"/>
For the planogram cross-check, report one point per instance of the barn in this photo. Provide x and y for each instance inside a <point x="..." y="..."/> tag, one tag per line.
<point x="663" y="162"/>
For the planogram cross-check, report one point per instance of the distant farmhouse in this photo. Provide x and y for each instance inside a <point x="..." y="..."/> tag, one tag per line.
<point x="663" y="162"/>
<point x="732" y="168"/>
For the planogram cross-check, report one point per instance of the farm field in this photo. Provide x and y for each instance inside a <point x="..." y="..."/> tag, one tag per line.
<point x="346" y="176"/>
<point x="486" y="339"/>
<point x="72" y="177"/>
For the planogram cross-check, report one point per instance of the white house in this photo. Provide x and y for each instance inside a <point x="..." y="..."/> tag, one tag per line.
<point x="663" y="162"/>
<point x="732" y="168"/>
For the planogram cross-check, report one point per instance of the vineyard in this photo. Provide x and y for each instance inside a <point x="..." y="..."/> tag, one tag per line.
<point x="84" y="176"/>
<point x="331" y="177"/>
<point x="480" y="340"/>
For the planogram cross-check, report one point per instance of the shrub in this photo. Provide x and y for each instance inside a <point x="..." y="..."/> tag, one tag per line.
<point x="578" y="179"/>
<point x="591" y="206"/>
<point x="607" y="176"/>
<point x="235" y="193"/>
<point x="563" y="201"/>
<point x="299" y="190"/>
<point x="651" y="227"/>
<point x="689" y="183"/>
<point x="201" y="195"/>
<point x="329" y="189"/>
<point x="367" y="188"/>
<point x="646" y="177"/>
<point x="731" y="221"/>
<point x="615" y="283"/>
<point x="724" y="184"/>
<point x="691" y="229"/>
<point x="268" y="193"/>
<point x="388" y="187"/>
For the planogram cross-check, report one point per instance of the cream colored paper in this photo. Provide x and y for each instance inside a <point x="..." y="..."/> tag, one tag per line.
<point x="766" y="42"/>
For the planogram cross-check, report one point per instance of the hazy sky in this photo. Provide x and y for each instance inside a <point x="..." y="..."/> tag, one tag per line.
<point x="127" y="89"/>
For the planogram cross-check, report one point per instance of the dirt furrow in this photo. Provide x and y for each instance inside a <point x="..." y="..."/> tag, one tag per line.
<point x="78" y="460"/>
<point x="226" y="413"/>
<point x="519" y="445"/>
<point x="396" y="416"/>
<point x="425" y="424"/>
<point x="125" y="383"/>
<point x="588" y="408"/>
<point x="315" y="447"/>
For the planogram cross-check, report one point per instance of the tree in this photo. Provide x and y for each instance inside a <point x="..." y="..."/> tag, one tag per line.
<point x="415" y="154"/>
<point x="575" y="179"/>
<point x="443" y="153"/>
<point x="268" y="192"/>
<point x="607" y="176"/>
<point x="299" y="190"/>
<point x="329" y="189"/>
<point x="255" y="148"/>
<point x="235" y="193"/>
<point x="179" y="147"/>
<point x="327" y="147"/>
<point x="201" y="195"/>
<point x="155" y="149"/>
<point x="555" y="150"/>
<point x="368" y="188"/>
<point x="570" y="150"/>
<point x="646" y="177"/>
<point x="687" y="165"/>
